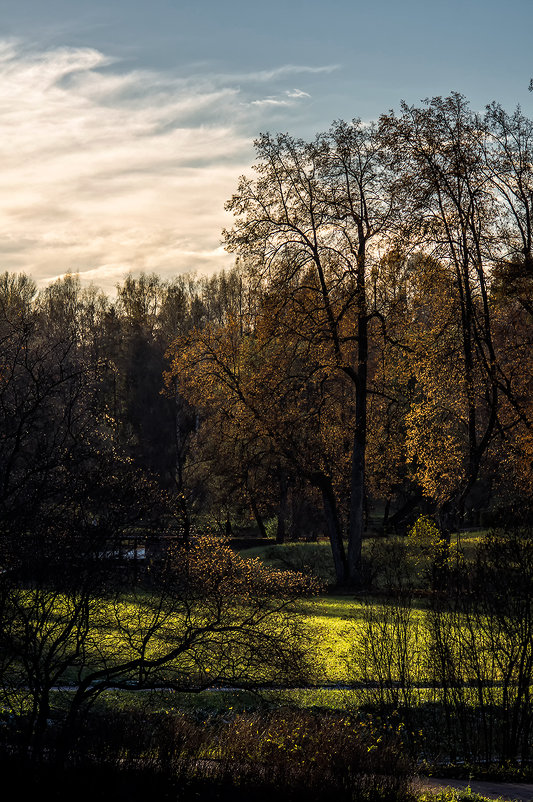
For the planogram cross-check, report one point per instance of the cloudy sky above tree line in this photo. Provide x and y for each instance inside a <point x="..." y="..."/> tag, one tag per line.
<point x="123" y="129"/>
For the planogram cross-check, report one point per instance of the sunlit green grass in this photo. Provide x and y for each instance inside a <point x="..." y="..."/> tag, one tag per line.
<point x="338" y="625"/>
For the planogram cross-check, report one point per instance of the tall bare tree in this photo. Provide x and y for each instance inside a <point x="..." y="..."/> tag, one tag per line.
<point x="310" y="226"/>
<point x="450" y="212"/>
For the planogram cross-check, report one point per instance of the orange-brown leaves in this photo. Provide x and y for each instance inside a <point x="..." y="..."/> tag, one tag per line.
<point x="213" y="568"/>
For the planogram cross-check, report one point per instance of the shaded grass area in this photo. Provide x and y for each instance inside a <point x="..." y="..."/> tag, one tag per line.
<point x="378" y="554"/>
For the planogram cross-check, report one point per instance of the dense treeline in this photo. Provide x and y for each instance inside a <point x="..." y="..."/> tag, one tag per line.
<point x="370" y="353"/>
<point x="88" y="439"/>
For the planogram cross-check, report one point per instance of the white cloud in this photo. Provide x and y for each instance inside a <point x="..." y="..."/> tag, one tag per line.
<point x="286" y="69"/>
<point x="271" y="101"/>
<point x="288" y="98"/>
<point x="105" y="171"/>
<point x="297" y="93"/>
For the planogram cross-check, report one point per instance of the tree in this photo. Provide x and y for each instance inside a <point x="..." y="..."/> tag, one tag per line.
<point x="390" y="475"/>
<point x="210" y="619"/>
<point x="309" y="227"/>
<point x="157" y="429"/>
<point x="467" y="183"/>
<point x="451" y="212"/>
<point x="47" y="393"/>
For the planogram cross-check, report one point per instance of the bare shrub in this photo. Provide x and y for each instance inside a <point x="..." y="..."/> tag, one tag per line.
<point x="482" y="649"/>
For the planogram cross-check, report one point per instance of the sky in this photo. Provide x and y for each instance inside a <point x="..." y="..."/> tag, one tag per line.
<point x="125" y="124"/>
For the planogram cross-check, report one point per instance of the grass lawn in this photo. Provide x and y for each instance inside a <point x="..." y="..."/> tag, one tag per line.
<point x="336" y="623"/>
<point x="341" y="627"/>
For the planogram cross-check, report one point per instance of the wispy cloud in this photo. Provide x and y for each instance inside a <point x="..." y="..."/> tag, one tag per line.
<point x="288" y="98"/>
<point x="299" y="93"/>
<point x="271" y="101"/>
<point x="285" y="70"/>
<point x="106" y="170"/>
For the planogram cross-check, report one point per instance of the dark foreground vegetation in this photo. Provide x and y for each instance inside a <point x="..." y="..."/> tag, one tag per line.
<point x="294" y="755"/>
<point x="364" y="370"/>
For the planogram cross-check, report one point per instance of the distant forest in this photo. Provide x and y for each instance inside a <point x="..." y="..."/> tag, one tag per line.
<point x="368" y="358"/>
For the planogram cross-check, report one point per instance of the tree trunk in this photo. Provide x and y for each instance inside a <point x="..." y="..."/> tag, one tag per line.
<point x="281" y="533"/>
<point x="357" y="482"/>
<point x="384" y="523"/>
<point x="39" y="728"/>
<point x="183" y="505"/>
<point x="334" y="532"/>
<point x="257" y="515"/>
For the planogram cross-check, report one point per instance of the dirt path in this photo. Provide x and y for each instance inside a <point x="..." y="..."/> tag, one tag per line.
<point x="523" y="792"/>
